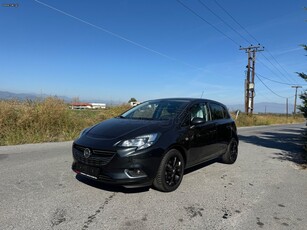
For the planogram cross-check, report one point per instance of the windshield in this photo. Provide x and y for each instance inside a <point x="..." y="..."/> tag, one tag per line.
<point x="156" y="110"/>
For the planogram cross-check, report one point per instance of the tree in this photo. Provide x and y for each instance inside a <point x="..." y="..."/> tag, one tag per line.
<point x="303" y="96"/>
<point x="132" y="99"/>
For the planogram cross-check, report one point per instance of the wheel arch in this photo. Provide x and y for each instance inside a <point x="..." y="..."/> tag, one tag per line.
<point x="182" y="151"/>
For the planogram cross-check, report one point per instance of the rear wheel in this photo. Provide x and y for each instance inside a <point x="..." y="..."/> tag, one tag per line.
<point x="232" y="152"/>
<point x="170" y="172"/>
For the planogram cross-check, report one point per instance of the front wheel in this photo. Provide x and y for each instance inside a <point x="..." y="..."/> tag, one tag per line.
<point x="170" y="172"/>
<point x="232" y="152"/>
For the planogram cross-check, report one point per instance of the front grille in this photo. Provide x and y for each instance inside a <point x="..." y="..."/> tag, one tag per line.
<point x="98" y="157"/>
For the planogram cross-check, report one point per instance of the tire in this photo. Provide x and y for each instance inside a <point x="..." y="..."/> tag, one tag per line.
<point x="232" y="152"/>
<point x="170" y="172"/>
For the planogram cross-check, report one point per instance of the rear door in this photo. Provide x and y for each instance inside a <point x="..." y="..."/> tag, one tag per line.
<point x="221" y="118"/>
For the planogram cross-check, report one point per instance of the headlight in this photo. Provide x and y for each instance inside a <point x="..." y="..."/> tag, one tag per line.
<point x="140" y="142"/>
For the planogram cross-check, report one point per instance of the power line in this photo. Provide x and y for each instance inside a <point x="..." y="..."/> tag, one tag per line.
<point x="242" y="27"/>
<point x="279" y="82"/>
<point x="265" y="94"/>
<point x="196" y="14"/>
<point x="116" y="35"/>
<point x="208" y="8"/>
<point x="278" y="76"/>
<point x="270" y="88"/>
<point x="277" y="62"/>
<point x="282" y="74"/>
<point x="236" y="21"/>
<point x="233" y="29"/>
<point x="213" y="26"/>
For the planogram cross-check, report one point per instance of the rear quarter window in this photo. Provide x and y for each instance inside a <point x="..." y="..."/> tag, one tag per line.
<point x="218" y="112"/>
<point x="226" y="113"/>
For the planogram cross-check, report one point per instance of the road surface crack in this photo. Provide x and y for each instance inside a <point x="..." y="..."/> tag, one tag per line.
<point x="92" y="217"/>
<point x="58" y="217"/>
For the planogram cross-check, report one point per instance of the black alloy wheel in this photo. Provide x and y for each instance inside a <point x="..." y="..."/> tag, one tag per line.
<point x="173" y="171"/>
<point x="170" y="172"/>
<point x="232" y="152"/>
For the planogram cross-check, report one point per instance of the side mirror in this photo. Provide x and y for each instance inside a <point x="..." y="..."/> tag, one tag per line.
<point x="197" y="121"/>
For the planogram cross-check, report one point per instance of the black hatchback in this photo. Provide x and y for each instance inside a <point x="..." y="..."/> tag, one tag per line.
<point x="154" y="142"/>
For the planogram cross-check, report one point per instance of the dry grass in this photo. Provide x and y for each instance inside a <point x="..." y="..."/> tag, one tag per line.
<point x="50" y="120"/>
<point x="46" y="121"/>
<point x="266" y="119"/>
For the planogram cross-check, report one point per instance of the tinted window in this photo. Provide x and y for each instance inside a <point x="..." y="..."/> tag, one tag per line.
<point x="197" y="110"/>
<point x="217" y="111"/>
<point x="226" y="114"/>
<point x="156" y="110"/>
<point x="145" y="111"/>
<point x="200" y="111"/>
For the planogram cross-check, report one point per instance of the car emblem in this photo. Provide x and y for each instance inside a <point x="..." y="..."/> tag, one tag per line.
<point x="87" y="153"/>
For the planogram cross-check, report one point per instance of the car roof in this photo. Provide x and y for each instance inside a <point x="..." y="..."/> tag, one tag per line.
<point x="191" y="100"/>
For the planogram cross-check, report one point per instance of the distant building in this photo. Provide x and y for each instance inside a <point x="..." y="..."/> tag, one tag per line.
<point x="81" y="105"/>
<point x="98" y="105"/>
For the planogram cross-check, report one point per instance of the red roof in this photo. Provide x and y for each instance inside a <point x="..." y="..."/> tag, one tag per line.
<point x="80" y="104"/>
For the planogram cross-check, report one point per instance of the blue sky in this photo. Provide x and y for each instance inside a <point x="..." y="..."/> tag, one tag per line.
<point x="118" y="49"/>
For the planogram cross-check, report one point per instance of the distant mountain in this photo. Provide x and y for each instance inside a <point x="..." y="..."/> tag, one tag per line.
<point x="265" y="107"/>
<point x="4" y="95"/>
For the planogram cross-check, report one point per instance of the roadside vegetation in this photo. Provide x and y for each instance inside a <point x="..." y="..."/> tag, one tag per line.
<point x="51" y="120"/>
<point x="48" y="120"/>
<point x="267" y="119"/>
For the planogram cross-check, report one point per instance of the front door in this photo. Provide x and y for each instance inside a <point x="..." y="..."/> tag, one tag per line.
<point x="202" y="136"/>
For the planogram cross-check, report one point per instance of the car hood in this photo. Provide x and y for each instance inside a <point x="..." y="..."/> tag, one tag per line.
<point x="118" y="128"/>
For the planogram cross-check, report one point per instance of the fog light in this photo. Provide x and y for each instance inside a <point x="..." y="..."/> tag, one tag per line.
<point x="135" y="173"/>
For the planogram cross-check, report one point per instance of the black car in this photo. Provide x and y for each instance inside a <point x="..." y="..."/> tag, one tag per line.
<point x="154" y="142"/>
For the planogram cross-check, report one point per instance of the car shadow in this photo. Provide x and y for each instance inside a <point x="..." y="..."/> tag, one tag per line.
<point x="200" y="166"/>
<point x="288" y="143"/>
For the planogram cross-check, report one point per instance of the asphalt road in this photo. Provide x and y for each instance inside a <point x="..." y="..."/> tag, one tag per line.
<point x="264" y="189"/>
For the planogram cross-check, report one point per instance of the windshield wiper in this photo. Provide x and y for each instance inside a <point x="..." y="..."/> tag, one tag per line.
<point x="142" y="118"/>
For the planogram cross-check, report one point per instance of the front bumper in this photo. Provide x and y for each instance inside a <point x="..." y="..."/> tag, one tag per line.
<point x="117" y="167"/>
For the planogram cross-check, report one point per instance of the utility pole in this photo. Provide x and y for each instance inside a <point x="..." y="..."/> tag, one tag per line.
<point x="295" y="86"/>
<point x="287" y="107"/>
<point x="250" y="76"/>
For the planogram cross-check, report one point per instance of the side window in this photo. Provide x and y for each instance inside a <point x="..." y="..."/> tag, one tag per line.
<point x="200" y="111"/>
<point x="217" y="111"/>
